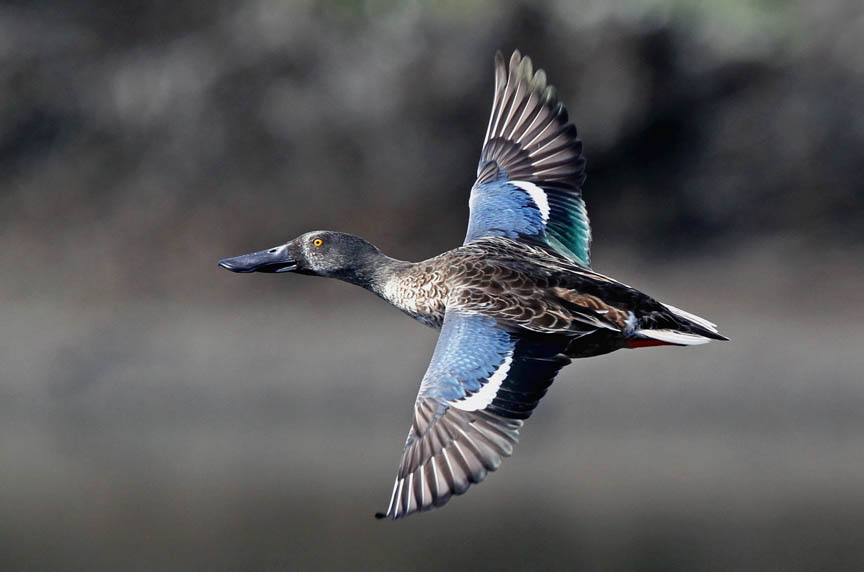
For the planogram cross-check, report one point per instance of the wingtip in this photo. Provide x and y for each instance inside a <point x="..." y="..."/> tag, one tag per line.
<point x="380" y="515"/>
<point x="515" y="59"/>
<point x="527" y="70"/>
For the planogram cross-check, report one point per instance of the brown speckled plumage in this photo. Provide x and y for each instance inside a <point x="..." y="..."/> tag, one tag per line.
<point x="522" y="286"/>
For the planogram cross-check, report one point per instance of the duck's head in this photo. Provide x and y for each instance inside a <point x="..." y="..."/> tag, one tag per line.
<point x="318" y="253"/>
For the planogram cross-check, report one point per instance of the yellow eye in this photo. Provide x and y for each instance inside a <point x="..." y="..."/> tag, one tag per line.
<point x="317" y="242"/>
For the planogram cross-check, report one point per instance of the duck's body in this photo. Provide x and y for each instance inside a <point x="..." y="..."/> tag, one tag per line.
<point x="514" y="303"/>
<point x="533" y="288"/>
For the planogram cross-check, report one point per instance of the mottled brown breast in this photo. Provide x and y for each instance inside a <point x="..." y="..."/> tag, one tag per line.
<point x="420" y="290"/>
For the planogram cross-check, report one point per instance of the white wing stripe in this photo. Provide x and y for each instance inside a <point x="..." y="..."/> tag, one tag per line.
<point x="487" y="393"/>
<point x="537" y="195"/>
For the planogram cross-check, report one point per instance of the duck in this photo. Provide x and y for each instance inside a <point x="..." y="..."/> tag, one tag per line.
<point x="515" y="303"/>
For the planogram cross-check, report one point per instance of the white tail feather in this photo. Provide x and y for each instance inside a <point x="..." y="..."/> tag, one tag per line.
<point x="711" y="326"/>
<point x="674" y="337"/>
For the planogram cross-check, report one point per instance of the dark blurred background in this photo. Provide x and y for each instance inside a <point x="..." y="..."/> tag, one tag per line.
<point x="159" y="413"/>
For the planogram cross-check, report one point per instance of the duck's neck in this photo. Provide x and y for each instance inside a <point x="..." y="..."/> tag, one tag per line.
<point x="374" y="272"/>
<point x="400" y="284"/>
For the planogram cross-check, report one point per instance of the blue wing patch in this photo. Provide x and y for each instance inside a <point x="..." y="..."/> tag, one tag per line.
<point x="470" y="349"/>
<point x="500" y="208"/>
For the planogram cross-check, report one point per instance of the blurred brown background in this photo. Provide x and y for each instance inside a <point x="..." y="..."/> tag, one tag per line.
<point x="159" y="413"/>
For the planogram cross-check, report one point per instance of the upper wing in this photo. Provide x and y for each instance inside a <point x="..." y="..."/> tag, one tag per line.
<point x="481" y="383"/>
<point x="531" y="169"/>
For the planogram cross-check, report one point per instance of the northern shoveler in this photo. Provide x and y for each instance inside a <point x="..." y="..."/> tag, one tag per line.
<point x="514" y="303"/>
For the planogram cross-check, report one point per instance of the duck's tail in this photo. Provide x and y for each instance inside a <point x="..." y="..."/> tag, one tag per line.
<point x="676" y="328"/>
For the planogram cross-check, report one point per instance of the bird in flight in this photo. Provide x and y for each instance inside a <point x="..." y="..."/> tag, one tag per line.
<point x="514" y="304"/>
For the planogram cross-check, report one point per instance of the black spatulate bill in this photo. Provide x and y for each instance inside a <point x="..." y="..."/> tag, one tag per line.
<point x="271" y="261"/>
